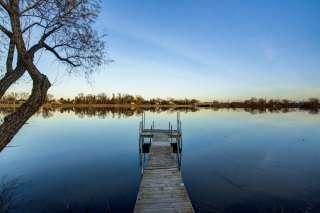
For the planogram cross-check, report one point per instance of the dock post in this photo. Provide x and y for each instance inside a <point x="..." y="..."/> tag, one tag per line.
<point x="178" y="150"/>
<point x="178" y="120"/>
<point x="181" y="143"/>
<point x="180" y="153"/>
<point x="144" y="120"/>
<point x="140" y="152"/>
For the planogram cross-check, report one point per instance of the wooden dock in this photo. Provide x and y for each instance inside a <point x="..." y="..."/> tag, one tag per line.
<point x="162" y="188"/>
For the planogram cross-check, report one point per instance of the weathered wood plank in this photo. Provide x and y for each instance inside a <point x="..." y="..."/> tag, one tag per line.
<point x="161" y="205"/>
<point x="164" y="195"/>
<point x="164" y="210"/>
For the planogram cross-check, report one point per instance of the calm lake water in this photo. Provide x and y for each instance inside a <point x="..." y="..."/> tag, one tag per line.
<point x="232" y="161"/>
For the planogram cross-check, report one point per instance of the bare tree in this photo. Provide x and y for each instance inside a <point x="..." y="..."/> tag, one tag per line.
<point x="64" y="29"/>
<point x="139" y="99"/>
<point x="102" y="97"/>
<point x="49" y="97"/>
<point x="24" y="96"/>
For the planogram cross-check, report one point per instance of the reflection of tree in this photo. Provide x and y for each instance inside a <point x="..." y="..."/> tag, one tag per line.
<point x="123" y="112"/>
<point x="255" y="111"/>
<point x="103" y="112"/>
<point x="313" y="111"/>
<point x="7" y="110"/>
<point x="46" y="113"/>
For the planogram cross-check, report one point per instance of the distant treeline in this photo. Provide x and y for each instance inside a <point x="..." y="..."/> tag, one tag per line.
<point x="121" y="99"/>
<point x="101" y="98"/>
<point x="260" y="103"/>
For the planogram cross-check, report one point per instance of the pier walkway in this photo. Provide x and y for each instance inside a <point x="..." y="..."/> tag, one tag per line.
<point x="162" y="188"/>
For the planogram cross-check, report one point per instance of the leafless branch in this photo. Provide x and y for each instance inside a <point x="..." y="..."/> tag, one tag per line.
<point x="5" y="6"/>
<point x="67" y="60"/>
<point x="5" y="31"/>
<point x="64" y="28"/>
<point x="31" y="25"/>
<point x="35" y="5"/>
<point x="10" y="55"/>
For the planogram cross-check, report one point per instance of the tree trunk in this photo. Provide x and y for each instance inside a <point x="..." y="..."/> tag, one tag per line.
<point x="13" y="122"/>
<point x="9" y="79"/>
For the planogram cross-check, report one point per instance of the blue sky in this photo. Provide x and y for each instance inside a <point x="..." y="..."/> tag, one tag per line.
<point x="225" y="50"/>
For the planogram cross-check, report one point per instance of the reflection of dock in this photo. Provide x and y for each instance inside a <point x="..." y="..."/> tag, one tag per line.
<point x="162" y="188"/>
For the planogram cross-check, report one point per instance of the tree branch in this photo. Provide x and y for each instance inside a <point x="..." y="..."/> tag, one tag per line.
<point x="47" y="34"/>
<point x="32" y="25"/>
<point x="5" y="31"/>
<point x="31" y="7"/>
<point x="5" y="6"/>
<point x="59" y="57"/>
<point x="10" y="55"/>
<point x="41" y="42"/>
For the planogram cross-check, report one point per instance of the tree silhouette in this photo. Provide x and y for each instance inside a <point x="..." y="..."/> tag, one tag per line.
<point x="62" y="28"/>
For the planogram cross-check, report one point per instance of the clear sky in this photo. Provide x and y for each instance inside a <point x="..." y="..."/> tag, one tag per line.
<point x="205" y="49"/>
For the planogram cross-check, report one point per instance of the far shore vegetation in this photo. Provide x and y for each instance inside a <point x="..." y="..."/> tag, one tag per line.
<point x="125" y="100"/>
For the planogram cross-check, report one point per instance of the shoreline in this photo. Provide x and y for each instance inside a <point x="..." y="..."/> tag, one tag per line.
<point x="48" y="105"/>
<point x="101" y="105"/>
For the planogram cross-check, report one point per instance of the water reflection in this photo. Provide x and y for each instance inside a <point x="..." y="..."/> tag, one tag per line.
<point x="254" y="111"/>
<point x="232" y="162"/>
<point x="122" y="112"/>
<point x="102" y="112"/>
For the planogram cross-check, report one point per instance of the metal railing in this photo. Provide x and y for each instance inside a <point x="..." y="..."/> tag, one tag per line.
<point x="149" y="133"/>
